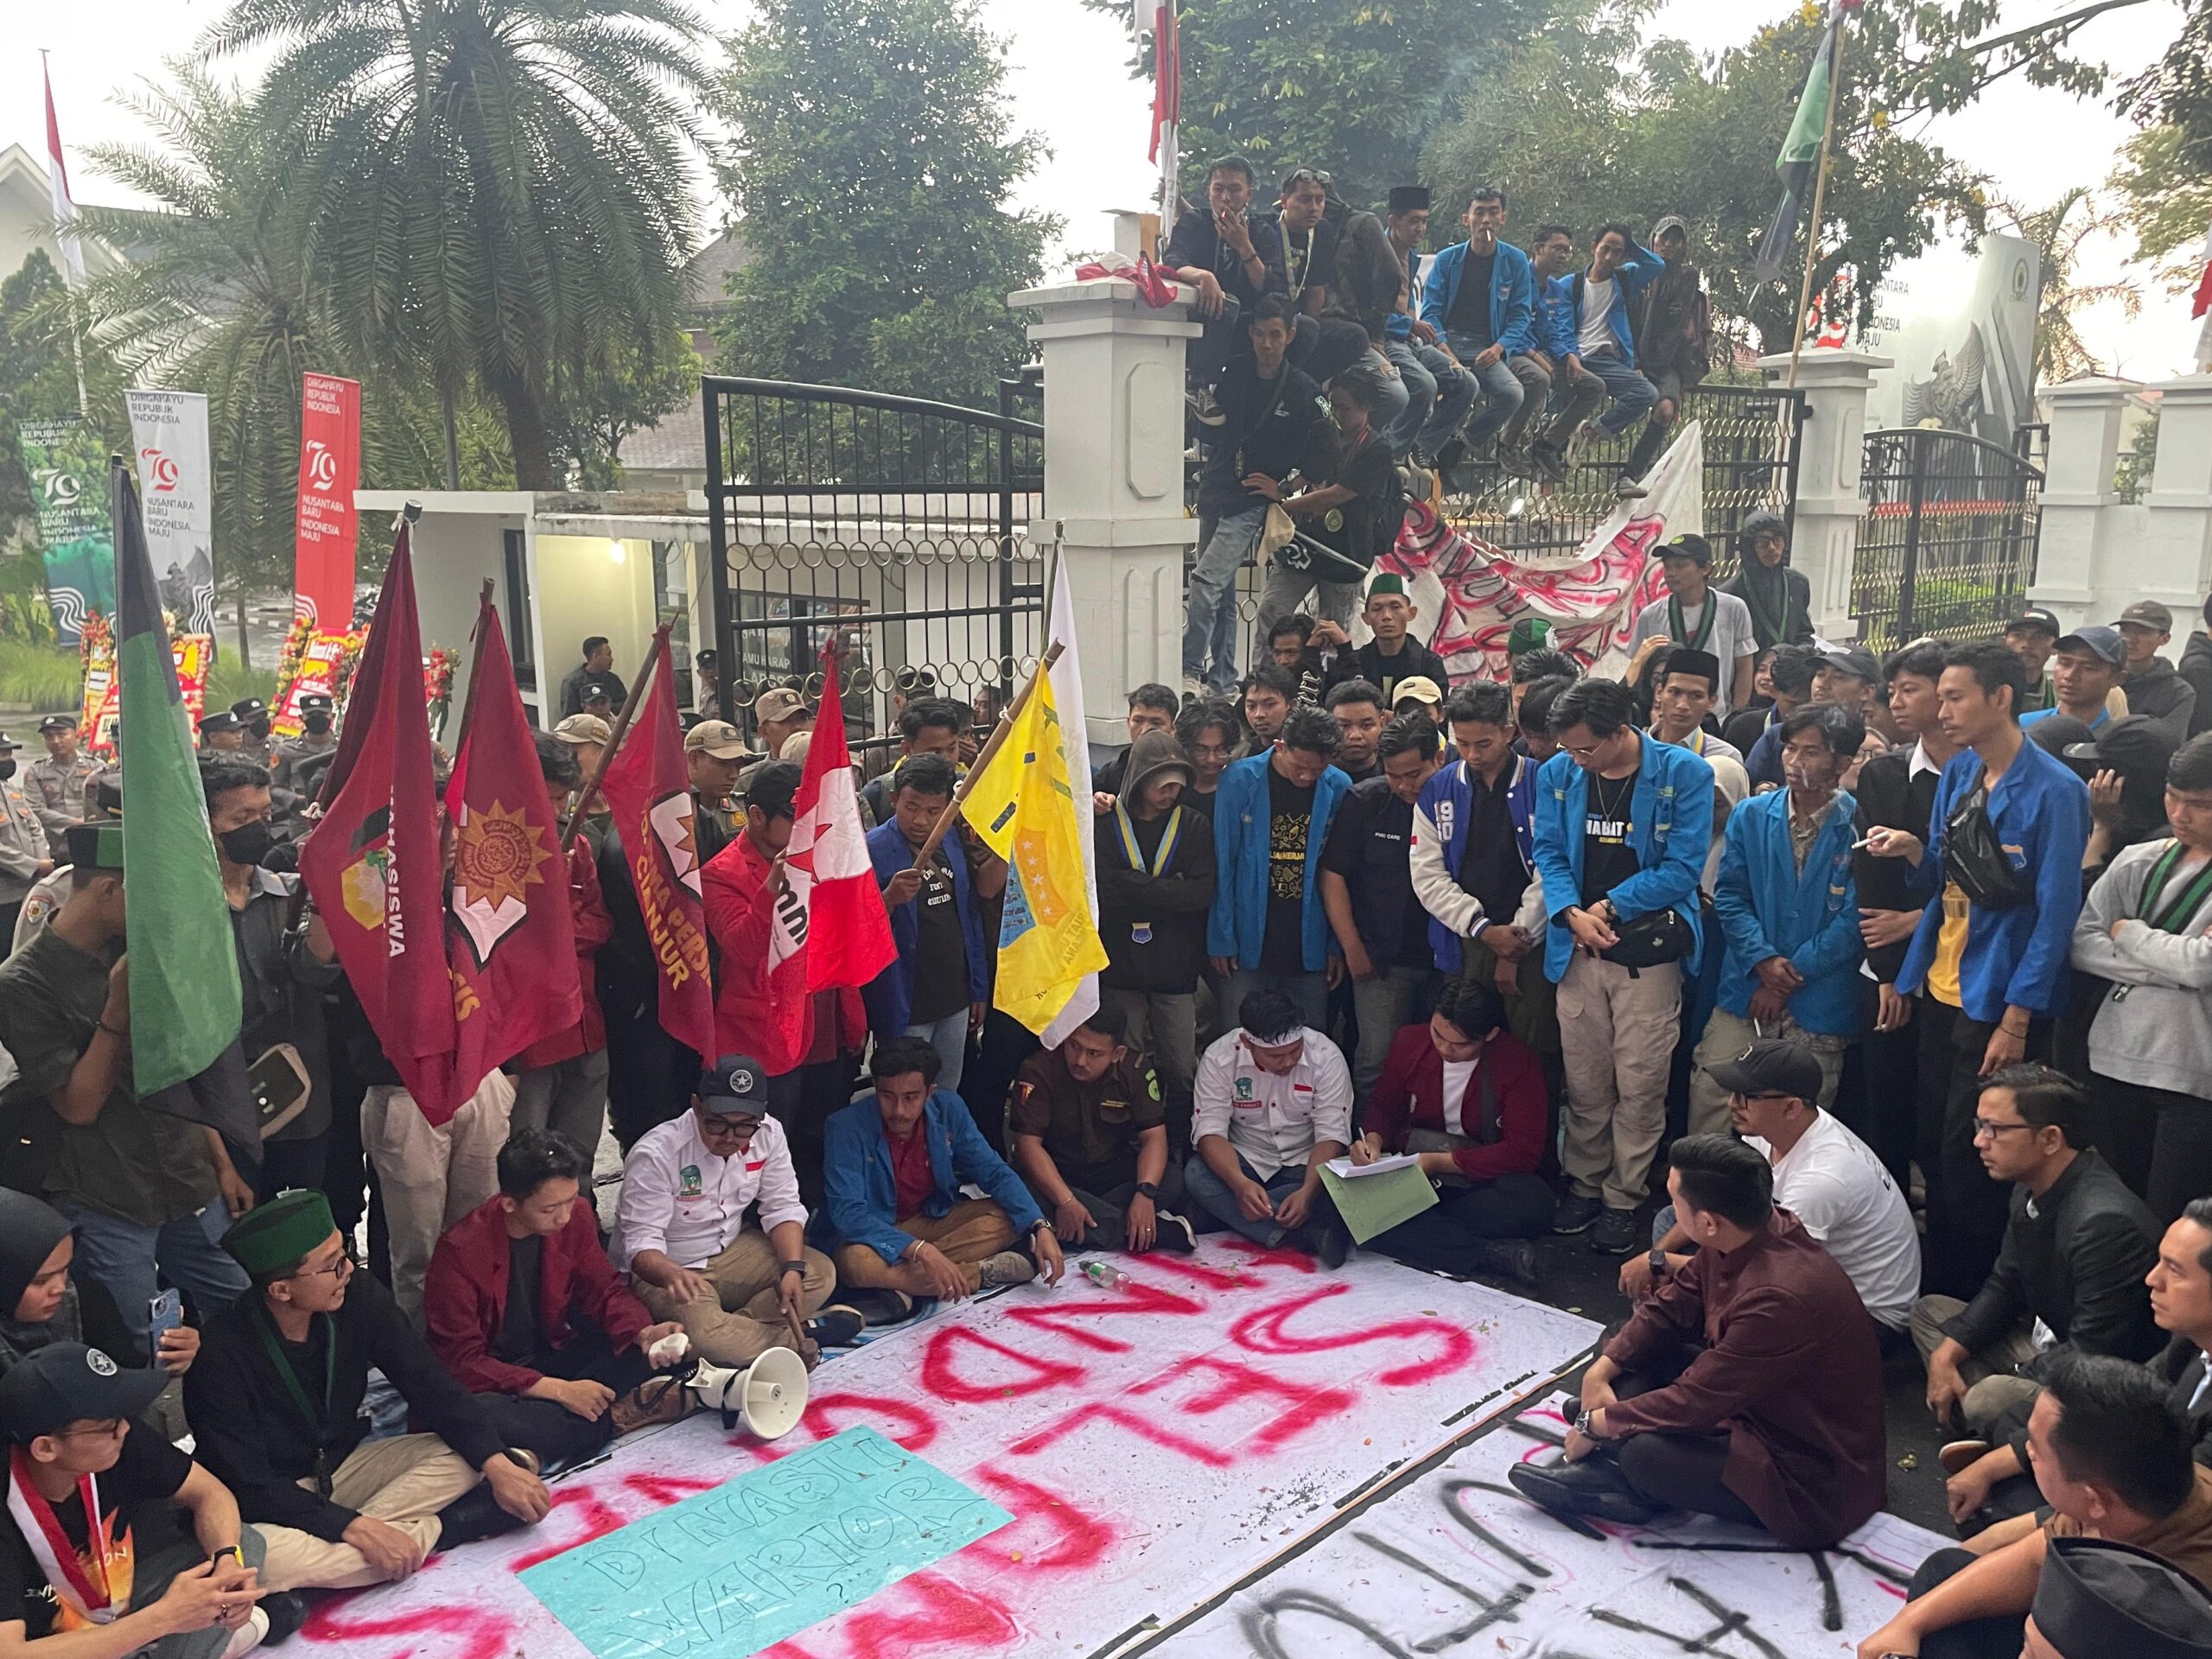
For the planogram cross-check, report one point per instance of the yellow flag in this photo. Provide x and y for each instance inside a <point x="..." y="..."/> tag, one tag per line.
<point x="1025" y="810"/>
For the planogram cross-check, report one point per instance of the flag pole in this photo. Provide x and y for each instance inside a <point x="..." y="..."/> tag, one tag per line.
<point x="583" y="808"/>
<point x="1820" y="194"/>
<point x="951" y="812"/>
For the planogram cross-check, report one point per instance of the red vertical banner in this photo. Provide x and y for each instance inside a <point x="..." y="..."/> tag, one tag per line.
<point x="330" y="468"/>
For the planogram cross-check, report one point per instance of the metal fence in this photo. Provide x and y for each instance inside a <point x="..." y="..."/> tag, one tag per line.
<point x="1947" y="542"/>
<point x="901" y="524"/>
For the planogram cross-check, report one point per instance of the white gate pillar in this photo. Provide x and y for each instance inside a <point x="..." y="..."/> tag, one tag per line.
<point x="2085" y="417"/>
<point x="1824" y="534"/>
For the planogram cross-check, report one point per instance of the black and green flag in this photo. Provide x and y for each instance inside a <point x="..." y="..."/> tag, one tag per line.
<point x="1798" y="165"/>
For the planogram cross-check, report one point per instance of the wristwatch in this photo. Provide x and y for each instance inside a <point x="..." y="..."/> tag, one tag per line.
<point x="798" y="1268"/>
<point x="1148" y="1190"/>
<point x="230" y="1550"/>
<point x="1582" y="1426"/>
<point x="1658" y="1262"/>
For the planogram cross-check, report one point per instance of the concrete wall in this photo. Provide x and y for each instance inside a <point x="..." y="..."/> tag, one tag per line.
<point x="583" y="588"/>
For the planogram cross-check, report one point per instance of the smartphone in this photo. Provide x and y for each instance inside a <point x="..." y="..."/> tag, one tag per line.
<point x="166" y="1313"/>
<point x="280" y="1085"/>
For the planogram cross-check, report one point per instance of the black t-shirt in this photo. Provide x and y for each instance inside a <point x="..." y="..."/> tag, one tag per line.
<point x="1469" y="312"/>
<point x="1370" y="844"/>
<point x="1414" y="661"/>
<point x="1195" y="242"/>
<point x="134" y="1500"/>
<point x="1290" y="823"/>
<point x="1607" y="858"/>
<point x="940" y="947"/>
<point x="1364" y="469"/>
<point x="1491" y="866"/>
<point x="519" y="1337"/>
<point x="1262" y="431"/>
<point x="1309" y="258"/>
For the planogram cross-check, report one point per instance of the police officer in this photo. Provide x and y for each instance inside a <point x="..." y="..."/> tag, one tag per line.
<point x="55" y="785"/>
<point x="254" y="714"/>
<point x="316" y="716"/>
<point x="23" y="855"/>
<point x="224" y="732"/>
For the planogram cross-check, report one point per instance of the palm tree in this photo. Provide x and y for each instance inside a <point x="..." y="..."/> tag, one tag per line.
<point x="2058" y="233"/>
<point x="493" y="193"/>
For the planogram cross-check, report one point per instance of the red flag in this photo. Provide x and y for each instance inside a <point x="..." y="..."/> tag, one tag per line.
<point x="510" y="935"/>
<point x="846" y="934"/>
<point x="648" y="789"/>
<point x="330" y="466"/>
<point x="2202" y="303"/>
<point x="372" y="864"/>
<point x="1167" y="76"/>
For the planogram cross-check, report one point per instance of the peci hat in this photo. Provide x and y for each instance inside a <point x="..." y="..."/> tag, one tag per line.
<point x="2098" y="640"/>
<point x="57" y="723"/>
<point x="1409" y="198"/>
<point x="99" y="845"/>
<point x="598" y="691"/>
<point x="778" y="702"/>
<point x="584" y="728"/>
<point x="273" y="1236"/>
<point x="66" y="1383"/>
<point x="1421" y="688"/>
<point x="715" y="737"/>
<point x="1771" y="1065"/>
<point x="1388" y="581"/>
<point x="2147" y="614"/>
<point x="733" y="1084"/>
<point x="2035" y="617"/>
<point x="1530" y="633"/>
<point x="2096" y="1596"/>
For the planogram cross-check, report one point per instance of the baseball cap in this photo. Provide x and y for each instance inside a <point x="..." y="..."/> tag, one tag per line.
<point x="2098" y="640"/>
<point x="1420" y="686"/>
<point x="2132" y="743"/>
<point x="1671" y="222"/>
<point x="66" y="1383"/>
<point x="57" y="723"/>
<point x="2036" y="617"/>
<point x="583" y="729"/>
<point x="777" y="703"/>
<point x="1857" y="662"/>
<point x="1771" y="1066"/>
<point x="715" y="737"/>
<point x="1688" y="545"/>
<point x="2096" y="1595"/>
<point x="2148" y="614"/>
<point x="735" y="1084"/>
<point x="595" y="692"/>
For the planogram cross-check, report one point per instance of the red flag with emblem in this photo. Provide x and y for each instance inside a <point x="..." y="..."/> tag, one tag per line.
<point x="841" y="923"/>
<point x="648" y="790"/>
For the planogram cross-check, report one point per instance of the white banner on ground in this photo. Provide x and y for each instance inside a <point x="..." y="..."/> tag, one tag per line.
<point x="170" y="431"/>
<point x="1469" y="593"/>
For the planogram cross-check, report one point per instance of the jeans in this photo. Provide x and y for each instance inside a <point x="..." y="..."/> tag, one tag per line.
<point x="1632" y="395"/>
<point x="948" y="1036"/>
<point x="1498" y="387"/>
<point x="1571" y="402"/>
<point x="1390" y="1000"/>
<point x="1209" y="625"/>
<point x="1393" y="394"/>
<point x="131" y="1261"/>
<point x="1310" y="991"/>
<point x="1439" y="394"/>
<point x="1537" y="388"/>
<point x="1209" y="1192"/>
<point x="1285" y="589"/>
<point x="151" y="1581"/>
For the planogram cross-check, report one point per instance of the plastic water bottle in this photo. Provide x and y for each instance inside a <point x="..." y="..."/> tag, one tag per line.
<point x="1105" y="1275"/>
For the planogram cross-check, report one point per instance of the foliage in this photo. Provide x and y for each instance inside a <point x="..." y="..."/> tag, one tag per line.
<point x="2166" y="202"/>
<point x="2131" y="479"/>
<point x="495" y="194"/>
<point x="2176" y="91"/>
<point x="1583" y="127"/>
<point x="41" y="677"/>
<point x="616" y="396"/>
<point x="871" y="174"/>
<point x="2058" y="233"/>
<point x="230" y="681"/>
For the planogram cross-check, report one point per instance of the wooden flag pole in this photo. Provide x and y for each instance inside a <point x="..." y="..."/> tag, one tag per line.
<point x="951" y="813"/>
<point x="590" y="791"/>
<point x="1819" y="195"/>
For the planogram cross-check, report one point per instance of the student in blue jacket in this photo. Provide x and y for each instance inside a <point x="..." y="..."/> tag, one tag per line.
<point x="1591" y="334"/>
<point x="1789" y="923"/>
<point x="1624" y="825"/>
<point x="1481" y="297"/>
<point x="1987" y="979"/>
<point x="893" y="1165"/>
<point x="1267" y="930"/>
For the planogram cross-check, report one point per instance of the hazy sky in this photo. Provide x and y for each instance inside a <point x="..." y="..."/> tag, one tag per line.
<point x="1068" y="84"/>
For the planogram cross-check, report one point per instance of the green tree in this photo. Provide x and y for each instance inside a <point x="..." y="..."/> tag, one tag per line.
<point x="2058" y="233"/>
<point x="619" y="393"/>
<point x="2166" y="203"/>
<point x="494" y="193"/>
<point x="871" y="174"/>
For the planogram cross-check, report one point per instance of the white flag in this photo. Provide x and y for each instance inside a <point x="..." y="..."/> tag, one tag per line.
<point x="170" y="431"/>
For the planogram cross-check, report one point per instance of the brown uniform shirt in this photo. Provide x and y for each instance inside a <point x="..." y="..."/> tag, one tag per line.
<point x="2183" y="1538"/>
<point x="1090" y="1129"/>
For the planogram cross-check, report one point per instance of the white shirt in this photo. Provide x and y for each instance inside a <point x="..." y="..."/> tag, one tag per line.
<point x="1831" y="1181"/>
<point x="1596" y="317"/>
<point x="681" y="1199"/>
<point x="1458" y="1074"/>
<point x="1271" y="1119"/>
<point x="1734" y="637"/>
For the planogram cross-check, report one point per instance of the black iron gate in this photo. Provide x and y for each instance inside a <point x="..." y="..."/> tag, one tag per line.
<point x="1946" y="541"/>
<point x="900" y="523"/>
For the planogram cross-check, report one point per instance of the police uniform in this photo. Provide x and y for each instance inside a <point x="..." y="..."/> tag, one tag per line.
<point x="23" y="845"/>
<point x="56" y="791"/>
<point x="293" y="750"/>
<point x="1091" y="1131"/>
<point x="252" y="713"/>
<point x="107" y="773"/>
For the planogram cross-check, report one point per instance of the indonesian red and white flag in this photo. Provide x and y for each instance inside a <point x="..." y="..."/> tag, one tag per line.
<point x="834" y="910"/>
<point x="65" y="208"/>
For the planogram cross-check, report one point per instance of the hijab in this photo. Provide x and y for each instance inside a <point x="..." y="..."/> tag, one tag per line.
<point x="29" y="1230"/>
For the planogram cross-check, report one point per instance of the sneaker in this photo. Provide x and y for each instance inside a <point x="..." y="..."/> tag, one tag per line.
<point x="1627" y="489"/>
<point x="1548" y="462"/>
<point x="1453" y="452"/>
<point x="1575" y="1215"/>
<point x="248" y="1636"/>
<point x="1175" y="1233"/>
<point x="655" y="1401"/>
<point x="1204" y="410"/>
<point x="1006" y="1268"/>
<point x="1957" y="1454"/>
<point x="1507" y="1258"/>
<point x="881" y="1307"/>
<point x="1194" y="689"/>
<point x="1595" y="1487"/>
<point x="837" y="1325"/>
<point x="1332" y="1242"/>
<point x="1616" y="1233"/>
<point x="287" y="1612"/>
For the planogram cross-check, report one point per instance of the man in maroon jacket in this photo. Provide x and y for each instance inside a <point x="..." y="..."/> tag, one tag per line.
<point x="1749" y="1386"/>
<point x="1467" y="1096"/>
<point x="525" y="1310"/>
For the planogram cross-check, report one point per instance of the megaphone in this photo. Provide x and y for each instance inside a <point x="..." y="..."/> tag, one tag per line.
<point x="770" y="1394"/>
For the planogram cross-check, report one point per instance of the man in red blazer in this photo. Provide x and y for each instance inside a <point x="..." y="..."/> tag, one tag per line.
<point x="1468" y="1097"/>
<point x="525" y="1310"/>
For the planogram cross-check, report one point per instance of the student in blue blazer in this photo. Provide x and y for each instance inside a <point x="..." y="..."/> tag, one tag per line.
<point x="1592" y="333"/>
<point x="1489" y="326"/>
<point x="1790" y="926"/>
<point x="1623" y="824"/>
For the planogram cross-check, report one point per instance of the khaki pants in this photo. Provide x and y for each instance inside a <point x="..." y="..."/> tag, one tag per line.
<point x="972" y="1232"/>
<point x="430" y="1178"/>
<point x="1727" y="1036"/>
<point x="403" y="1481"/>
<point x="1619" y="1032"/>
<point x="742" y="1318"/>
<point x="1992" y="1387"/>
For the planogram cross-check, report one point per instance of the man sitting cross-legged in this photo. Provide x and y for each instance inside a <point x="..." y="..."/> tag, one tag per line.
<point x="1748" y="1386"/>
<point x="894" y="1163"/>
<point x="1089" y="1136"/>
<point x="275" y="1405"/>
<point x="1468" y="1097"/>
<point x="680" y="1231"/>
<point x="524" y="1308"/>
<point x="2111" y="1457"/>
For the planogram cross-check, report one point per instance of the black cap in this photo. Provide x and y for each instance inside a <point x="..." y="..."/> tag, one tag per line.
<point x="314" y="702"/>
<point x="2096" y="1597"/>
<point x="1409" y="198"/>
<point x="1858" y="663"/>
<point x="8" y="745"/>
<point x="2036" y="617"/>
<point x="1688" y="545"/>
<point x="1771" y="1066"/>
<point x="249" y="709"/>
<point x="57" y="723"/>
<point x="221" y="720"/>
<point x="597" y="693"/>
<point x="735" y="1083"/>
<point x="66" y="1383"/>
<point x="2132" y="743"/>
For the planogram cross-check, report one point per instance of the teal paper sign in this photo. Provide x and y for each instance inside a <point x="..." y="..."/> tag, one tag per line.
<point x="764" y="1555"/>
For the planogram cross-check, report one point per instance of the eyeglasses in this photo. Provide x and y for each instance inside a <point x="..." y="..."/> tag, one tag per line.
<point x="1983" y="1126"/>
<point x="715" y="1124"/>
<point x="341" y="1270"/>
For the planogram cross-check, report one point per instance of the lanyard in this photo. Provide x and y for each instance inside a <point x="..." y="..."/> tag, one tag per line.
<point x="1704" y="623"/>
<point x="91" y="1597"/>
<point x="1134" y="854"/>
<point x="318" y="1424"/>
<point x="2184" y="904"/>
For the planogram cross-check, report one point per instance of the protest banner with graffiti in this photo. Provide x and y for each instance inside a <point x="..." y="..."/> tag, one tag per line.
<point x="66" y="461"/>
<point x="1473" y="592"/>
<point x="103" y="705"/>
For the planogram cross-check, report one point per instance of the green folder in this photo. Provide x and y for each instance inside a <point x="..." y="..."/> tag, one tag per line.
<point x="1375" y="1203"/>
